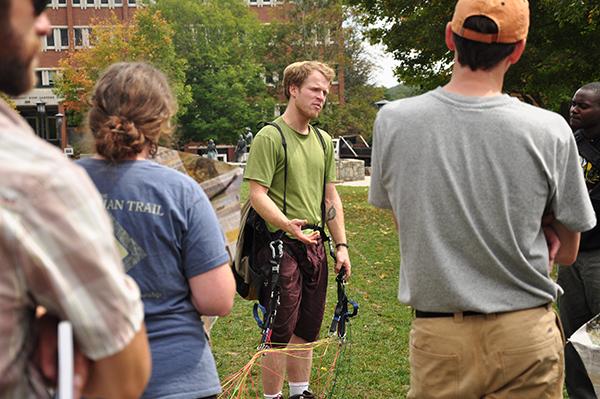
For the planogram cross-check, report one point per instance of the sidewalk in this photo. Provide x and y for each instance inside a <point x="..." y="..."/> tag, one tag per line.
<point x="357" y="183"/>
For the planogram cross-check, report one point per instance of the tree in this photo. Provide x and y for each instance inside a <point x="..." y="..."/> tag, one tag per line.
<point x="563" y="47"/>
<point x="400" y="91"/>
<point x="323" y="30"/>
<point x="223" y="43"/>
<point x="8" y="100"/>
<point x="148" y="37"/>
<point x="356" y="117"/>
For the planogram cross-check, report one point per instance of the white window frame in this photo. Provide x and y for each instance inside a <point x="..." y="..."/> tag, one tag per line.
<point x="84" y="4"/>
<point x="59" y="45"/>
<point x="46" y="74"/>
<point x="54" y="4"/>
<point x="45" y="45"/>
<point x="85" y="36"/>
<point x="264" y="3"/>
<point x="98" y="4"/>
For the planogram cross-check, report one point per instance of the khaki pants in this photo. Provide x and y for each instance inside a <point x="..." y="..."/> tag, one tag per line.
<point x="506" y="355"/>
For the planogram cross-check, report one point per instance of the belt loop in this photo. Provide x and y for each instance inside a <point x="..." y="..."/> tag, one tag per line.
<point x="458" y="317"/>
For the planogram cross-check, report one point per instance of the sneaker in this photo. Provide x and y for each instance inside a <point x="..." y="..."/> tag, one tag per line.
<point x="304" y="395"/>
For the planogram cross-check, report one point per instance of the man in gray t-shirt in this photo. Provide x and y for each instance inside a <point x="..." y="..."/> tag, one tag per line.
<point x="470" y="173"/>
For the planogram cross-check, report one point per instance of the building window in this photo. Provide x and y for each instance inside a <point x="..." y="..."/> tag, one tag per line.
<point x="45" y="78"/>
<point x="132" y="3"/>
<point x="57" y="3"/>
<point x="264" y="3"/>
<point x="57" y="40"/>
<point x="270" y="79"/>
<point x="82" y="37"/>
<point x="49" y="41"/>
<point x="78" y="37"/>
<point x="64" y="38"/>
<point x="98" y="3"/>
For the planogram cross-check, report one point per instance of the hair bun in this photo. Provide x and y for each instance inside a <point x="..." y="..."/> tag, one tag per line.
<point x="121" y="125"/>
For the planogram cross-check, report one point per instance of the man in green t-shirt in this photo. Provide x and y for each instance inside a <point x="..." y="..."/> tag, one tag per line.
<point x="303" y="275"/>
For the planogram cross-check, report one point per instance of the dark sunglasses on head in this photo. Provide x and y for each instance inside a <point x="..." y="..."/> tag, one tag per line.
<point x="39" y="6"/>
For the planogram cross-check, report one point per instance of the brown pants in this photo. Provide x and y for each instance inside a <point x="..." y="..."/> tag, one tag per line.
<point x="516" y="355"/>
<point x="303" y="286"/>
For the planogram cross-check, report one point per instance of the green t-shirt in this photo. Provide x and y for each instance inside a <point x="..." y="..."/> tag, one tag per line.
<point x="307" y="162"/>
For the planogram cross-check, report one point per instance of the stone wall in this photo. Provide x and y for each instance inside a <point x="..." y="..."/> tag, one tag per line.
<point x="350" y="169"/>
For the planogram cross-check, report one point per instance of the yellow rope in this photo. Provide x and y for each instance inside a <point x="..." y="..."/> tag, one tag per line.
<point x="241" y="384"/>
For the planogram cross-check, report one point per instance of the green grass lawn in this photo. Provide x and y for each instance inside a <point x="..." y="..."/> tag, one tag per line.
<point x="375" y="364"/>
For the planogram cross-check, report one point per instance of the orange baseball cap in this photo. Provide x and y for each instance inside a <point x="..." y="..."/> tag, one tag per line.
<point x="511" y="16"/>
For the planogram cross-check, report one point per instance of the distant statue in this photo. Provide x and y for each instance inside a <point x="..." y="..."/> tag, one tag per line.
<point x="249" y="136"/>
<point x="211" y="150"/>
<point x="240" y="148"/>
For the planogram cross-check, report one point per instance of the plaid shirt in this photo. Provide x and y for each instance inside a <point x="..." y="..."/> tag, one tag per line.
<point x="57" y="250"/>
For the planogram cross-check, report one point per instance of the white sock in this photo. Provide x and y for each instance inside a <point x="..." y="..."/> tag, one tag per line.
<point x="298" y="388"/>
<point x="272" y="396"/>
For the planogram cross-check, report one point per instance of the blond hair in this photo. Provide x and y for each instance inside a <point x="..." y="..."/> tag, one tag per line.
<point x="132" y="105"/>
<point x="295" y="74"/>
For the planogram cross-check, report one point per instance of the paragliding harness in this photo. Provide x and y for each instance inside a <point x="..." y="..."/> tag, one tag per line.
<point x="252" y="276"/>
<point x="588" y="151"/>
<point x="342" y="315"/>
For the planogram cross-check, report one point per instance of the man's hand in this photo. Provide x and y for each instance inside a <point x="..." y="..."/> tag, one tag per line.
<point x="343" y="260"/>
<point x="552" y="239"/>
<point x="46" y="355"/>
<point x="294" y="227"/>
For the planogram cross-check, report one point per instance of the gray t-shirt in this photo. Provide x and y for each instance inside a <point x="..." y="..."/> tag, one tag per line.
<point x="469" y="179"/>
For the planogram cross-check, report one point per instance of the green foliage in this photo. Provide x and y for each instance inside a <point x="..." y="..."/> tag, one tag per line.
<point x="229" y="54"/>
<point x="148" y="37"/>
<point x="8" y="100"/>
<point x="563" y="47"/>
<point x="223" y="43"/>
<point x="317" y="29"/>
<point x="305" y="30"/>
<point x="400" y="91"/>
<point x="356" y="116"/>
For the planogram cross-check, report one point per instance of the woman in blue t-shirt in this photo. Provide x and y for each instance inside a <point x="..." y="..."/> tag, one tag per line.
<point x="165" y="226"/>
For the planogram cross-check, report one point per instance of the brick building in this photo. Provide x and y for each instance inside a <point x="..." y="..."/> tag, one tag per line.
<point x="71" y="21"/>
<point x="267" y="11"/>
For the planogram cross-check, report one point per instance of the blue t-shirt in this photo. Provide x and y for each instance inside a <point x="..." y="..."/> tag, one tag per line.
<point x="167" y="232"/>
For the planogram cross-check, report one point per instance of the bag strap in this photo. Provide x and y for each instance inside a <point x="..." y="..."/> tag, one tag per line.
<point x="586" y="148"/>
<point x="320" y="136"/>
<point x="588" y="151"/>
<point x="284" y="144"/>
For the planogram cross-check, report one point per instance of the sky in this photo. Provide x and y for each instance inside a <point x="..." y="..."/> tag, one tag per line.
<point x="384" y="75"/>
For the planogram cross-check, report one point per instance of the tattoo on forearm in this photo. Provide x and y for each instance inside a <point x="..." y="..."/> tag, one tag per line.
<point x="331" y="213"/>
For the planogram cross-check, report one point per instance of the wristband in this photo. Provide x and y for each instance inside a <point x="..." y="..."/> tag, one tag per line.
<point x="341" y="244"/>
